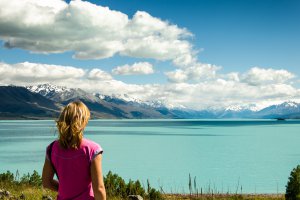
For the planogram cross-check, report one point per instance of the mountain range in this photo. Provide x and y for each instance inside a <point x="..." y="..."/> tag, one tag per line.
<point x="46" y="101"/>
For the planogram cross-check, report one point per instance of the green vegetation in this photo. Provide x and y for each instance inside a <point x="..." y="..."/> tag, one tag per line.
<point x="116" y="187"/>
<point x="224" y="197"/>
<point x="33" y="180"/>
<point x="29" y="186"/>
<point x="293" y="185"/>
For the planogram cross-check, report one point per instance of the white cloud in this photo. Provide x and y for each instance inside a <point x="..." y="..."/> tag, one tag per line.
<point x="96" y="32"/>
<point x="197" y="72"/>
<point x="177" y="76"/>
<point x="98" y="74"/>
<point x="91" y="31"/>
<point x="232" y="76"/>
<point x="35" y="72"/>
<point x="221" y="93"/>
<point x="211" y="93"/>
<point x="94" y="80"/>
<point x="135" y="69"/>
<point x="260" y="76"/>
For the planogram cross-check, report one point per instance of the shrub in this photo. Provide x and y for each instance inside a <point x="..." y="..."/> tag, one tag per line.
<point x="152" y="193"/>
<point x="155" y="195"/>
<point x="116" y="187"/>
<point x="34" y="179"/>
<point x="293" y="185"/>
<point x="7" y="177"/>
<point x="135" y="188"/>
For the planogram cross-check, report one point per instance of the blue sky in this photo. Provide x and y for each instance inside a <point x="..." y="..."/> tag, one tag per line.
<point x="232" y="33"/>
<point x="255" y="41"/>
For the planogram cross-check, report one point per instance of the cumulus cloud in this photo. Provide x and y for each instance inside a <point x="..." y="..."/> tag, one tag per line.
<point x="197" y="72"/>
<point x="98" y="74"/>
<point x="96" y="32"/>
<point x="94" y="80"/>
<point x="216" y="94"/>
<point x="35" y="72"/>
<point x="91" y="31"/>
<point x="220" y="93"/>
<point x="31" y="73"/>
<point x="177" y="76"/>
<point x="212" y="93"/>
<point x="232" y="76"/>
<point x="260" y="76"/>
<point x="135" y="69"/>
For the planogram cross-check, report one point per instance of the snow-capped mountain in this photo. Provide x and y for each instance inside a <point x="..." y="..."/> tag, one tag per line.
<point x="19" y="103"/>
<point x="130" y="99"/>
<point x="235" y="108"/>
<point x="60" y="93"/>
<point x="125" y="106"/>
<point x="114" y="106"/>
<point x="239" y="108"/>
<point x="47" y="89"/>
<point x="286" y="110"/>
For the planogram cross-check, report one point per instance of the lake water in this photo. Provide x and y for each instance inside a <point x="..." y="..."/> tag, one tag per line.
<point x="223" y="155"/>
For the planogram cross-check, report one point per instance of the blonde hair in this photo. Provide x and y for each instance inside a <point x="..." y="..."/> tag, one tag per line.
<point x="71" y="123"/>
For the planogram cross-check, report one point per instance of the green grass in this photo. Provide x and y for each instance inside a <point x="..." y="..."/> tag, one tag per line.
<point x="36" y="193"/>
<point x="116" y="188"/>
<point x="30" y="192"/>
<point x="30" y="185"/>
<point x="225" y="197"/>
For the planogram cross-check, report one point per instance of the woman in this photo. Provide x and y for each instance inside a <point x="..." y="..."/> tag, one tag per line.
<point x="75" y="160"/>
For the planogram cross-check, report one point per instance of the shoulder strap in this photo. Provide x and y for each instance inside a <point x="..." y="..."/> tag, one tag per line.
<point x="49" y="153"/>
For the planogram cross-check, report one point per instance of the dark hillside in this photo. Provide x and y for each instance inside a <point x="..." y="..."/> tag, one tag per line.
<point x="23" y="103"/>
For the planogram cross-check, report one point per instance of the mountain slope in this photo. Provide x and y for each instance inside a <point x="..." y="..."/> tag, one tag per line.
<point x="22" y="103"/>
<point x="101" y="106"/>
<point x="284" y="110"/>
<point x="46" y="101"/>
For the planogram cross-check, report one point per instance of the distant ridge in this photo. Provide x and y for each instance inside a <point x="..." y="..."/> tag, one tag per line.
<point x="46" y="100"/>
<point x="18" y="102"/>
<point x="101" y="106"/>
<point x="285" y="110"/>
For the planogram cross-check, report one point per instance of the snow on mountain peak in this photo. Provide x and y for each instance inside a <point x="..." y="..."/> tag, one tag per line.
<point x="290" y="104"/>
<point x="50" y="90"/>
<point x="237" y="108"/>
<point x="47" y="88"/>
<point x="234" y="108"/>
<point x="151" y="103"/>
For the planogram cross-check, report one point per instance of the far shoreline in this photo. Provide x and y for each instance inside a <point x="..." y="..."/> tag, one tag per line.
<point x="25" y="118"/>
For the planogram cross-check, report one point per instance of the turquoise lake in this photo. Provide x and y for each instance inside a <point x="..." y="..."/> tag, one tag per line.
<point x="248" y="156"/>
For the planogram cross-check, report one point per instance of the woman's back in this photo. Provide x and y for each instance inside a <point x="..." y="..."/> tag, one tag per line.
<point x="75" y="159"/>
<point x="73" y="169"/>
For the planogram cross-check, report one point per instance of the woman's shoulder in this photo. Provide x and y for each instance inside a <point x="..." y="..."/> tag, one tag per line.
<point x="92" y="147"/>
<point x="52" y="144"/>
<point x="89" y="143"/>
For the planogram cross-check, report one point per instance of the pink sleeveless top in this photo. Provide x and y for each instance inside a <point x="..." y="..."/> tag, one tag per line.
<point x="73" y="167"/>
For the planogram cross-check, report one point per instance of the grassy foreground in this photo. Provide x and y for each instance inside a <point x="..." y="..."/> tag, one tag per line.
<point x="37" y="193"/>
<point x="29" y="187"/>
